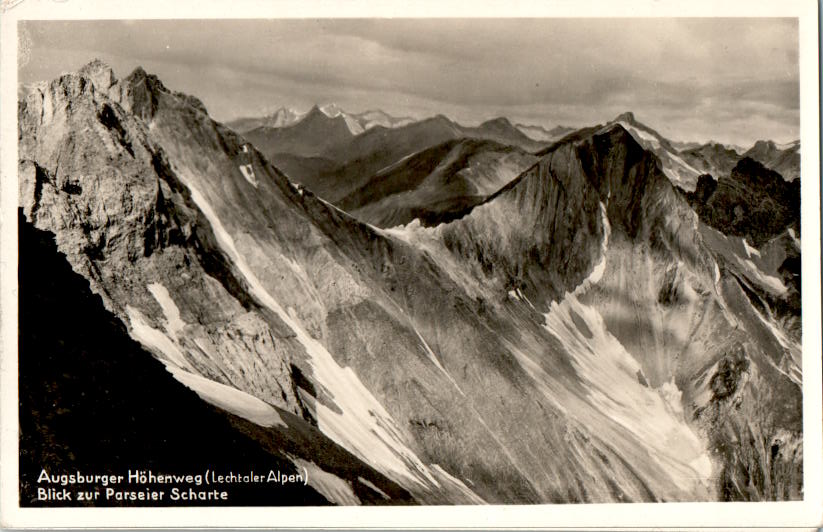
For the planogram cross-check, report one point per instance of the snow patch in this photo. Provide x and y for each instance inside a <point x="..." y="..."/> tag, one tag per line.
<point x="600" y="268"/>
<point x="787" y="145"/>
<point x="174" y="324"/>
<point x="643" y="137"/>
<point x="154" y="339"/>
<point x="681" y="162"/>
<point x="649" y="141"/>
<point x="353" y="125"/>
<point x="248" y="172"/>
<point x="373" y="487"/>
<point x="794" y="238"/>
<point x="750" y="251"/>
<point x="362" y="425"/>
<point x="756" y="274"/>
<point x="456" y="483"/>
<point x="672" y="395"/>
<point x="609" y="372"/>
<point x="524" y="298"/>
<point x="297" y="187"/>
<point x="330" y="486"/>
<point x="791" y="350"/>
<point x="229" y="399"/>
<point x="687" y="291"/>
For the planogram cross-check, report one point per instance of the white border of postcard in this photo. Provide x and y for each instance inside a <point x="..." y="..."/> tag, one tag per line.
<point x="807" y="513"/>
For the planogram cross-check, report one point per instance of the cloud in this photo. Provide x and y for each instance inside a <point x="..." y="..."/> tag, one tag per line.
<point x="538" y="70"/>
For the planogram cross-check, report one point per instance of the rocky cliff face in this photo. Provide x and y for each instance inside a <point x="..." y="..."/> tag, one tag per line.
<point x="558" y="343"/>
<point x="752" y="202"/>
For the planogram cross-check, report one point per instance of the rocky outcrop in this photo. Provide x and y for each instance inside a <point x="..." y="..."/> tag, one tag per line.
<point x="752" y="201"/>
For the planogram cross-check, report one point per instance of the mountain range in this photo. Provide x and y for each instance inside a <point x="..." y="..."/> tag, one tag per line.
<point x="356" y="122"/>
<point x="429" y="314"/>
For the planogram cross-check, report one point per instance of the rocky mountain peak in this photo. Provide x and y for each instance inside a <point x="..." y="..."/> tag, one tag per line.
<point x="316" y="117"/>
<point x="315" y="111"/>
<point x="628" y="117"/>
<point x="100" y="74"/>
<point x="141" y="90"/>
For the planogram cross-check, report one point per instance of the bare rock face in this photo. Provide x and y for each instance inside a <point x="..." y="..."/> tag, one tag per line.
<point x="90" y="175"/>
<point x="556" y="343"/>
<point x="761" y="450"/>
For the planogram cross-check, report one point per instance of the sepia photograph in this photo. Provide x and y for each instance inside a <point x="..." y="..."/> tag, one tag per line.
<point x="389" y="259"/>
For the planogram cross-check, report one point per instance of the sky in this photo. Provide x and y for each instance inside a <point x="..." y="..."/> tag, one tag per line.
<point x="733" y="80"/>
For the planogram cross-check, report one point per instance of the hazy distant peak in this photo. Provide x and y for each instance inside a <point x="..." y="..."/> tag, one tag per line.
<point x="500" y="121"/>
<point x="282" y="111"/>
<point x="628" y="116"/>
<point x="765" y="144"/>
<point x="540" y="133"/>
<point x="331" y="110"/>
<point x="772" y="145"/>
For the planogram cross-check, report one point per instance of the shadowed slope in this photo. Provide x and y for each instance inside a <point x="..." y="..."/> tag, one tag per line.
<point x="437" y="182"/>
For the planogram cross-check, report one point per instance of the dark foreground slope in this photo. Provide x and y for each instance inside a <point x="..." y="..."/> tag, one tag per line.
<point x="93" y="400"/>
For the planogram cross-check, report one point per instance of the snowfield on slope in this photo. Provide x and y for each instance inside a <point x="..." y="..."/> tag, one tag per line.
<point x="360" y="424"/>
<point x="611" y="375"/>
<point x="170" y="353"/>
